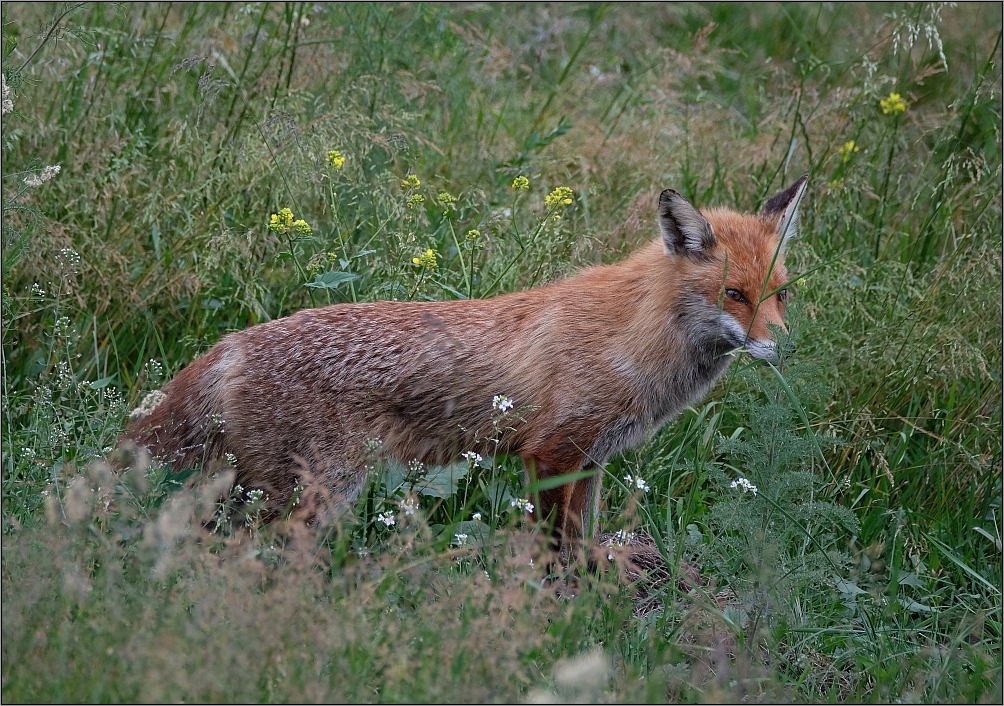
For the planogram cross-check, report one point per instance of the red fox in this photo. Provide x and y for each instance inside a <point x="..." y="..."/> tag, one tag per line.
<point x="599" y="359"/>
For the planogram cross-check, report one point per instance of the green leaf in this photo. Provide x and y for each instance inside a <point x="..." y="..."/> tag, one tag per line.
<point x="848" y="587"/>
<point x="949" y="554"/>
<point x="796" y="405"/>
<point x="441" y="481"/>
<point x="913" y="606"/>
<point x="103" y="382"/>
<point x="910" y="579"/>
<point x="331" y="280"/>
<point x="477" y="532"/>
<point x="451" y="290"/>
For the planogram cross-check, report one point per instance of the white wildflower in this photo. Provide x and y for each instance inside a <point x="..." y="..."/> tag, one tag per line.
<point x="744" y="485"/>
<point x="154" y="370"/>
<point x="524" y="505"/>
<point x="255" y="495"/>
<point x="501" y="403"/>
<point x="473" y="458"/>
<point x="408" y="506"/>
<point x="476" y="517"/>
<point x="387" y="518"/>
<point x="231" y="460"/>
<point x="460" y="539"/>
<point x="638" y="482"/>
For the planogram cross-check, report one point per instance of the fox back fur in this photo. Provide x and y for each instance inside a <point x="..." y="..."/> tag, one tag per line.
<point x="596" y="360"/>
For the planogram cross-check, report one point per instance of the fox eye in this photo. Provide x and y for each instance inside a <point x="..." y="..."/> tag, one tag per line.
<point x="783" y="295"/>
<point x="736" y="296"/>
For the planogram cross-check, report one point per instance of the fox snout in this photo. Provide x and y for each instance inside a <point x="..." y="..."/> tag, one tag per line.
<point x="770" y="349"/>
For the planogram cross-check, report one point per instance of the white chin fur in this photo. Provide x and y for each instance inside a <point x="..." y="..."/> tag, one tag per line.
<point x="762" y="350"/>
<point x="734" y="333"/>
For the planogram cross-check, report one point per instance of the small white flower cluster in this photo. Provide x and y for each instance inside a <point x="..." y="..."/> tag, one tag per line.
<point x="743" y="485"/>
<point x="61" y="328"/>
<point x="256" y="495"/>
<point x="416" y="467"/>
<point x="460" y="539"/>
<point x="68" y="255"/>
<point x="476" y="517"/>
<point x="37" y="291"/>
<point x="39" y="179"/>
<point x="639" y="483"/>
<point x="373" y="444"/>
<point x="154" y="370"/>
<point x="231" y="459"/>
<point x="524" y="505"/>
<point x="8" y="103"/>
<point x="387" y="518"/>
<point x="502" y="403"/>
<point x="408" y="506"/>
<point x="473" y="458"/>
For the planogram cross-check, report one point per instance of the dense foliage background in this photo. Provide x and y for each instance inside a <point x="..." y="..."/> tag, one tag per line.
<point x="868" y="565"/>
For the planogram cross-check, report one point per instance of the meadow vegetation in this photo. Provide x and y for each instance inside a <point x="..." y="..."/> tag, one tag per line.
<point x="836" y="519"/>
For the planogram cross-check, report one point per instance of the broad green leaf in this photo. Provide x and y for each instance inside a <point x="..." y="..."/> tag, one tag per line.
<point x="331" y="280"/>
<point x="103" y="382"/>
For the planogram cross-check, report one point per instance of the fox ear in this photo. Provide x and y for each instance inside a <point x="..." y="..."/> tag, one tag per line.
<point x="783" y="209"/>
<point x="684" y="230"/>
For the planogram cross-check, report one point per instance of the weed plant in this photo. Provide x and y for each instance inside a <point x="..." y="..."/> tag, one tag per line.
<point x="824" y="529"/>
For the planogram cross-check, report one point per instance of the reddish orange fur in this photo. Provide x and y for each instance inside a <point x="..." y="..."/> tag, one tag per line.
<point x="596" y="361"/>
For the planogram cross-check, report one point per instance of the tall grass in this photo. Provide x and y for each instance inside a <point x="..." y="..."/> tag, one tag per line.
<point x="868" y="565"/>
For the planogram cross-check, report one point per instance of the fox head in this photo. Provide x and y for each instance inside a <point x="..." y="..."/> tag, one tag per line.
<point x="735" y="264"/>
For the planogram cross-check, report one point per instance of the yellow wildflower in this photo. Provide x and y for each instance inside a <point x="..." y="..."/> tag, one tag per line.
<point x="892" y="105"/>
<point x="426" y="260"/>
<point x="836" y="185"/>
<point x="800" y="282"/>
<point x="416" y="200"/>
<point x="562" y="196"/>
<point x="410" y="182"/>
<point x="847" y="150"/>
<point x="336" y="159"/>
<point x="520" y="183"/>
<point x="473" y="234"/>
<point x="446" y="199"/>
<point x="281" y="222"/>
